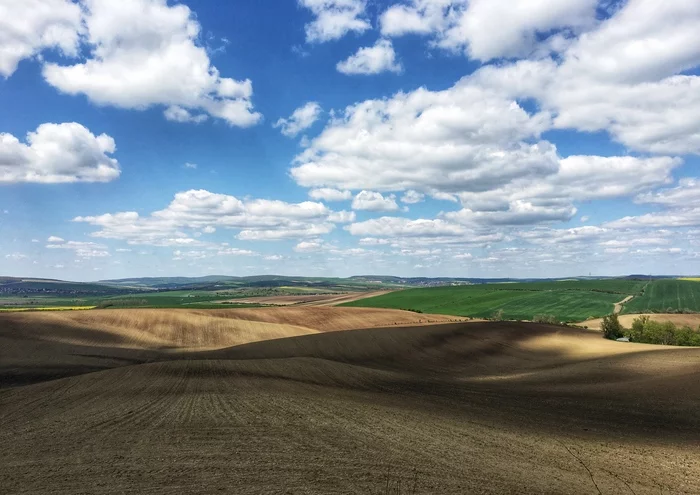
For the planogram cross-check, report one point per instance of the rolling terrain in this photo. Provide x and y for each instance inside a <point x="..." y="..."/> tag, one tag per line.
<point x="570" y="301"/>
<point x="665" y="296"/>
<point x="475" y="407"/>
<point x="565" y="300"/>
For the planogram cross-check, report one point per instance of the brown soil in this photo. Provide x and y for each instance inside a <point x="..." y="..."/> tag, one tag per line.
<point x="481" y="407"/>
<point x="618" y="305"/>
<point x="692" y="320"/>
<point x="310" y="300"/>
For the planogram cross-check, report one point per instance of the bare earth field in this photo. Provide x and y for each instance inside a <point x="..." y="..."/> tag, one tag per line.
<point x="475" y="407"/>
<point x="692" y="320"/>
<point x="310" y="300"/>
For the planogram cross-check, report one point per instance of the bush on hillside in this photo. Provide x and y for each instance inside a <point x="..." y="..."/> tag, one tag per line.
<point x="612" y="329"/>
<point x="497" y="315"/>
<point x="653" y="332"/>
<point x="550" y="319"/>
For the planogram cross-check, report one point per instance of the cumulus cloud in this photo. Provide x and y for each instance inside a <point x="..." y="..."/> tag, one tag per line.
<point x="374" y="201"/>
<point x="330" y="194"/>
<point x="204" y="211"/>
<point x="334" y="19"/>
<point x="380" y="57"/>
<point x="58" y="153"/>
<point x="176" y="113"/>
<point x="308" y="246"/>
<point x="488" y="29"/>
<point x="301" y="119"/>
<point x="625" y="77"/>
<point x="687" y="192"/>
<point x="412" y="197"/>
<point x="144" y="53"/>
<point x="28" y="27"/>
<point x="82" y="249"/>
<point x="463" y="138"/>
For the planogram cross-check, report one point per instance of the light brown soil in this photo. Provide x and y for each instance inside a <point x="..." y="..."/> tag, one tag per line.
<point x="618" y="305"/>
<point x="692" y="320"/>
<point x="310" y="300"/>
<point x="485" y="407"/>
<point x="48" y="337"/>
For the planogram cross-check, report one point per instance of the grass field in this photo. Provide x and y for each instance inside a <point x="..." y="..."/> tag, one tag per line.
<point x="566" y="300"/>
<point x="667" y="296"/>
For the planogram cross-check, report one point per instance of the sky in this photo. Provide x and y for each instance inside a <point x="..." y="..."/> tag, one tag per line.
<point x="461" y="138"/>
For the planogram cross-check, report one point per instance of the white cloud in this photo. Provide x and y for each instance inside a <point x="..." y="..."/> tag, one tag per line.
<point x="623" y="78"/>
<point x="374" y="201"/>
<point x="462" y="138"/>
<point x="229" y="251"/>
<point x="29" y="26"/>
<point x="209" y="229"/>
<point x="144" y="53"/>
<point x="334" y="19"/>
<point x="176" y="113"/>
<point x="54" y="239"/>
<point x="123" y="250"/>
<point x="308" y="246"/>
<point x="685" y="194"/>
<point x="81" y="249"/>
<point x="302" y="118"/>
<point x="585" y="218"/>
<point x="35" y="240"/>
<point x="329" y="194"/>
<point x="373" y="241"/>
<point x="197" y="210"/>
<point x="342" y="216"/>
<point x="404" y="227"/>
<point x="412" y="197"/>
<point x="190" y="165"/>
<point x="16" y="256"/>
<point x="519" y="212"/>
<point x="380" y="57"/>
<point x="488" y="29"/>
<point x="58" y="153"/>
<point x="273" y="257"/>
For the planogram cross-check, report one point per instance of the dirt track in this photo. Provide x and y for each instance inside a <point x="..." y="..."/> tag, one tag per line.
<point x="463" y="408"/>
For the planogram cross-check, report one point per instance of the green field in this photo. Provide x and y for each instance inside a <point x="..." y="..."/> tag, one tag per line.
<point x="566" y="300"/>
<point x="667" y="296"/>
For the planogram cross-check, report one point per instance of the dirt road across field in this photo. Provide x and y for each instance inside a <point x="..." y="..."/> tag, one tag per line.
<point x="479" y="407"/>
<point x="619" y="305"/>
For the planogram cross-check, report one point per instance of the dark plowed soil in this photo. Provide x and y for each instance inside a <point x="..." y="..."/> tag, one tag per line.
<point x="456" y="408"/>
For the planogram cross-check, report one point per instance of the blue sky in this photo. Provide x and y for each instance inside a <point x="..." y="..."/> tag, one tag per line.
<point x="491" y="138"/>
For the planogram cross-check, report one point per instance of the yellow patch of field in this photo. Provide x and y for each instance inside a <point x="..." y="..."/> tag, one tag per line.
<point x="692" y="279"/>
<point x="51" y="308"/>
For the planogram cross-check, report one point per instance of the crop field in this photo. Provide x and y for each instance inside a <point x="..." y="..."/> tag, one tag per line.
<point x="169" y="401"/>
<point x="49" y="308"/>
<point x="566" y="300"/>
<point x="667" y="296"/>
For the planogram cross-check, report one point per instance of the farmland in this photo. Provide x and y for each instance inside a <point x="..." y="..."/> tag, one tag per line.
<point x="196" y="401"/>
<point x="667" y="296"/>
<point x="570" y="300"/>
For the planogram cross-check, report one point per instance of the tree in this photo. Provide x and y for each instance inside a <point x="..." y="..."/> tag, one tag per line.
<point x="612" y="329"/>
<point x="638" y="326"/>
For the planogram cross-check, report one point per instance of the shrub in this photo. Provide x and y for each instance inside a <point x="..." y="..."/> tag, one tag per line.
<point x="497" y="315"/>
<point x="653" y="332"/>
<point x="550" y="319"/>
<point x="612" y="329"/>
